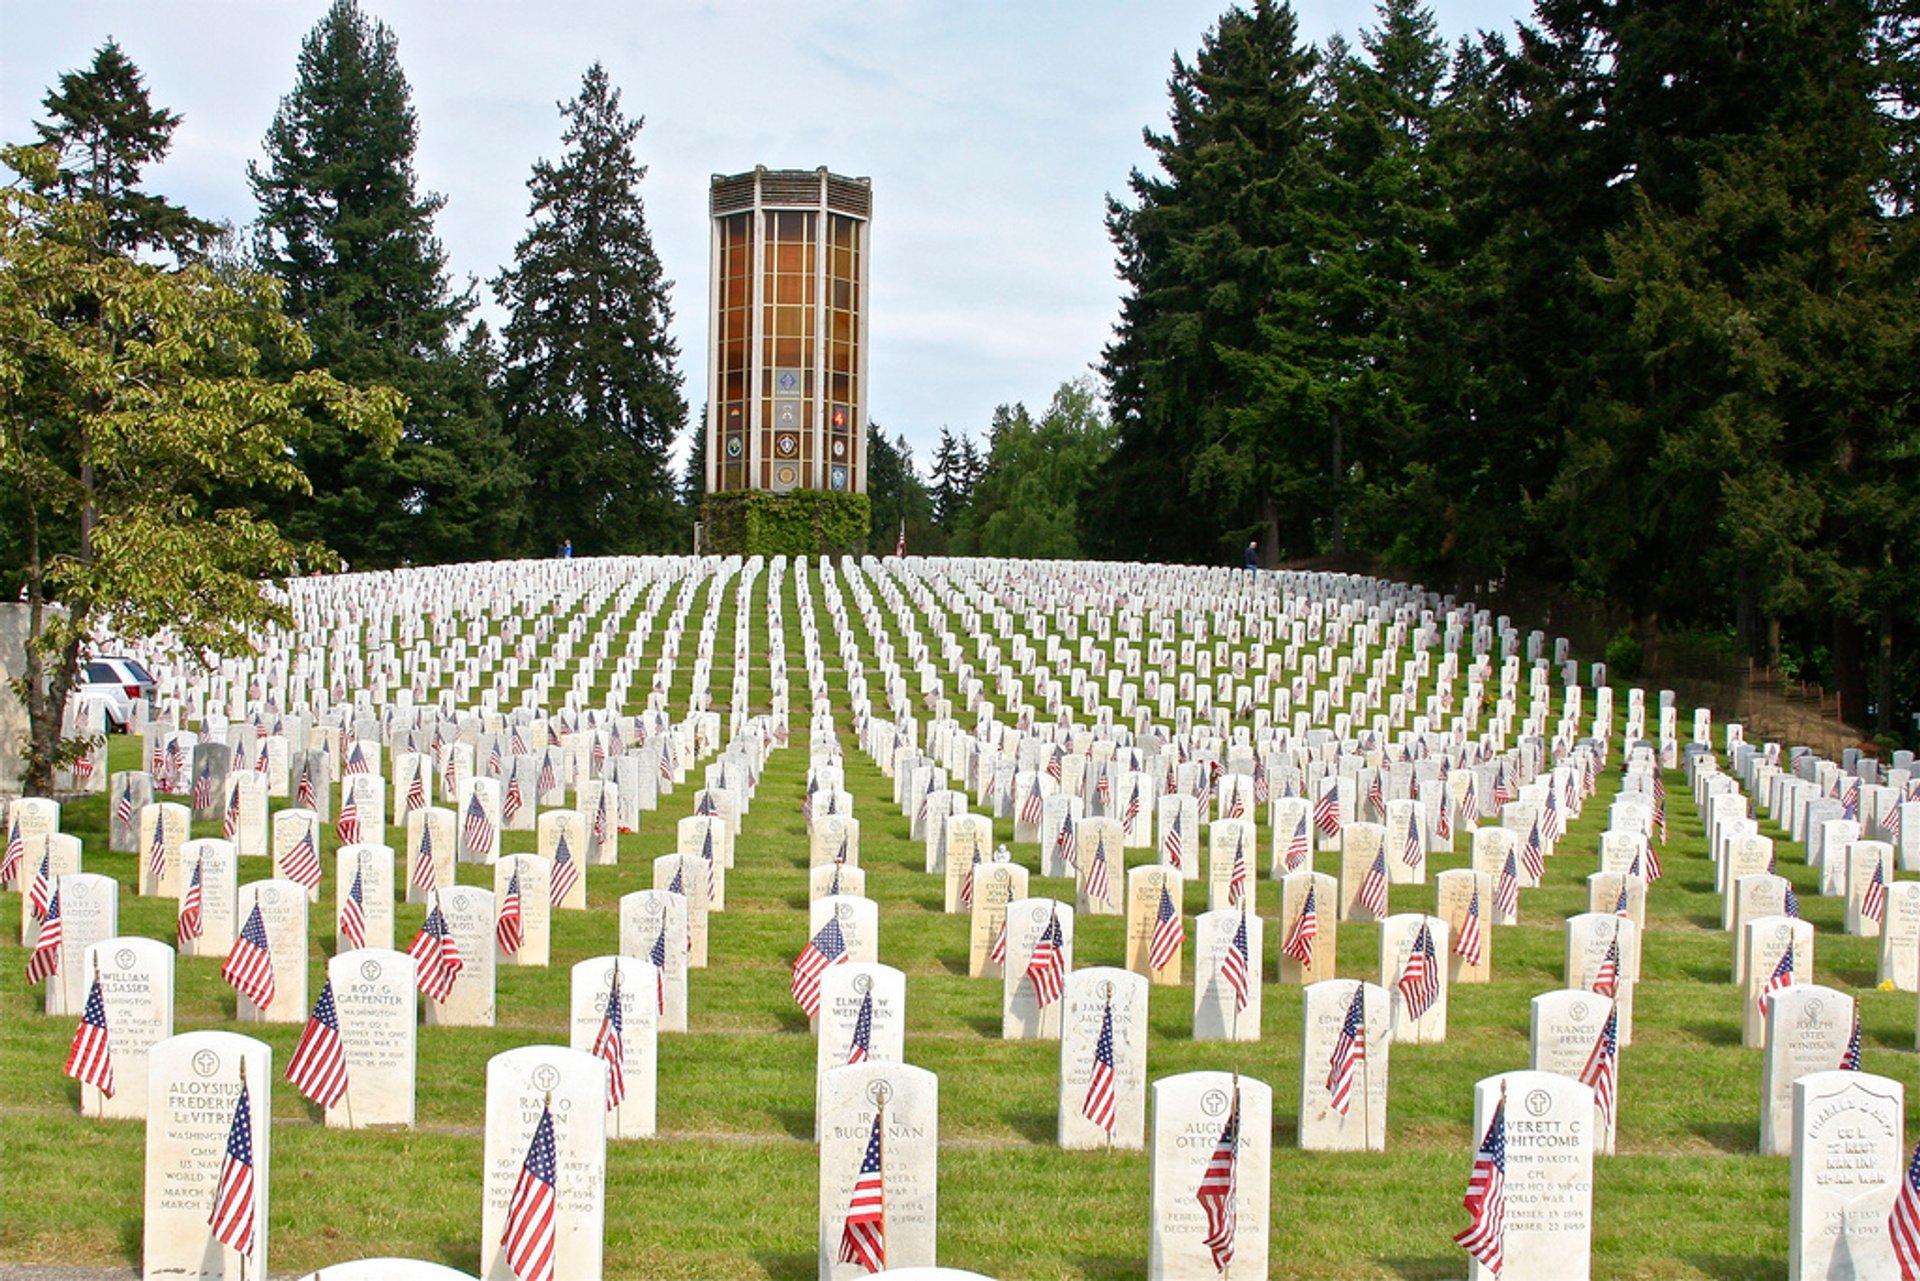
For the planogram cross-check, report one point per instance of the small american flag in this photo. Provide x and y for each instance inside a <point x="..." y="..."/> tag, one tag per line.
<point x="997" y="954"/>
<point x="1326" y="809"/>
<point x="1306" y="928"/>
<point x="90" y="1057"/>
<point x="1099" y="1107"/>
<point x="1506" y="895"/>
<point x="1602" y="1070"/>
<point x="1174" y="850"/>
<point x="157" y="851"/>
<point x="1414" y="850"/>
<point x="966" y="881"/>
<point x="44" y="961"/>
<point x="1169" y="932"/>
<point x="566" y="872"/>
<point x="1373" y="887"/>
<point x="302" y="862"/>
<point x="514" y="802"/>
<point x="1237" y="874"/>
<point x="477" y="832"/>
<point x="548" y="780"/>
<point x="1470" y="802"/>
<point x="1781" y="978"/>
<point x="232" y="1215"/>
<point x="1850" y="799"/>
<point x="1218" y="1193"/>
<point x="610" y="1044"/>
<point x="1235" y="965"/>
<point x="304" y="794"/>
<point x="1376" y="795"/>
<point x="1097" y="882"/>
<point x="1890" y="824"/>
<point x="39" y="894"/>
<point x="437" y="956"/>
<point x="1133" y="805"/>
<point x="863" y="1236"/>
<point x="1873" y="904"/>
<point x="826" y="947"/>
<point x="1349" y="1051"/>
<point x="1606" y="980"/>
<point x="123" y="808"/>
<point x="1419" y="982"/>
<point x="1471" y="943"/>
<point x="1904" y="1223"/>
<point x="509" y="927"/>
<point x="347" y="826"/>
<point x="1532" y="856"/>
<point x="806" y="802"/>
<point x="356" y="763"/>
<point x="249" y="966"/>
<point x="1486" y="1198"/>
<point x="417" y="789"/>
<point x="862" y="1043"/>
<point x="1299" y="848"/>
<point x="230" y="818"/>
<point x="1552" y="829"/>
<point x="188" y="927"/>
<point x="203" y="787"/>
<point x="318" y="1068"/>
<point x="1621" y="906"/>
<point x="657" y="955"/>
<point x="1047" y="970"/>
<point x="1791" y="906"/>
<point x="425" y="874"/>
<point x="16" y="853"/>
<point x="353" y="913"/>
<point x="1850" y="1057"/>
<point x="529" y="1239"/>
<point x="1063" y="842"/>
<point x="1033" y="807"/>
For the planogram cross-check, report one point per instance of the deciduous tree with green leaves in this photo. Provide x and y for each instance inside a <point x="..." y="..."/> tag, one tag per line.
<point x="132" y="394"/>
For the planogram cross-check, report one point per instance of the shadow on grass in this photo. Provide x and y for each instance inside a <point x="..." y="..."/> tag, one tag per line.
<point x="1716" y="1033"/>
<point x="1036" y="1127"/>
<point x="133" y="1240"/>
<point x="955" y="965"/>
<point x="1706" y="920"/>
<point x="1868" y="978"/>
<point x="461" y="1254"/>
<point x="1121" y="1267"/>
<point x="1745" y="1266"/>
<point x="793" y="1020"/>
<point x="986" y="1025"/>
<point x="789" y="1266"/>
<point x="797" y="1122"/>
<point x="1729" y="1136"/>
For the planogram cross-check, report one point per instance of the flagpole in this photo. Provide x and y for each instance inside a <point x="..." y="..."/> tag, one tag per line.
<point x="243" y="1094"/>
<point x="614" y="998"/>
<point x="1366" y="1076"/>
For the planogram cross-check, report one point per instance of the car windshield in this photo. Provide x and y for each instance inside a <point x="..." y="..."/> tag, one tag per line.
<point x="139" y="673"/>
<point x="102" y="674"/>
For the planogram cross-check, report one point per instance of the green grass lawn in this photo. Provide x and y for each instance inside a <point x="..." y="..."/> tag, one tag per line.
<point x="729" y="1187"/>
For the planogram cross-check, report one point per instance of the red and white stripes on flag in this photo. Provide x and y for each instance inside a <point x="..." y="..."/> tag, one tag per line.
<point x="90" y="1057"/>
<point x="318" y="1068"/>
<point x="232" y="1216"/>
<point x="530" y="1239"/>
<point x="1219" y="1189"/>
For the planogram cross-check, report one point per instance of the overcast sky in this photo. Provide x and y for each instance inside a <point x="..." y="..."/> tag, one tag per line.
<point x="992" y="133"/>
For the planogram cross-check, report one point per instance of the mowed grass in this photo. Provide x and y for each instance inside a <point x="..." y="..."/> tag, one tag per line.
<point x="730" y="1186"/>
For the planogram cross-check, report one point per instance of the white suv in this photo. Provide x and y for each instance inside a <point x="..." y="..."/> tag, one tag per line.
<point x="114" y="683"/>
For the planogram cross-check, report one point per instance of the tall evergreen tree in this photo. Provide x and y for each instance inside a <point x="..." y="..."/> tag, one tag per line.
<point x="343" y="228"/>
<point x="105" y="131"/>
<point x="592" y="391"/>
<point x="952" y="480"/>
<point x="1198" y="254"/>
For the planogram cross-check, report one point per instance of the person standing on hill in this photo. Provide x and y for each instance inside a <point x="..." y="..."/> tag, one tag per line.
<point x="1252" y="560"/>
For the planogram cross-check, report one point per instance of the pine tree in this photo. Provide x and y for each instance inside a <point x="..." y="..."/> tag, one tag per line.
<point x="105" y="131"/>
<point x="343" y="228"/>
<point x="1198" y="253"/>
<point x="949" y="481"/>
<point x="593" y="396"/>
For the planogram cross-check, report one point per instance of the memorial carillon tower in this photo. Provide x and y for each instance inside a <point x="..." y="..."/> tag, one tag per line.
<point x="787" y="350"/>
